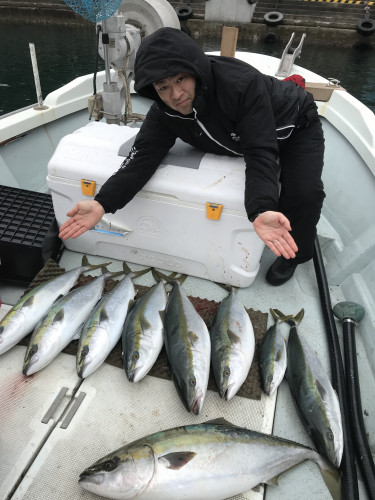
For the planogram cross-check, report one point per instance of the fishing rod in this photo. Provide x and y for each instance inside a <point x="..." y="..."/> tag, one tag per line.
<point x="349" y="478"/>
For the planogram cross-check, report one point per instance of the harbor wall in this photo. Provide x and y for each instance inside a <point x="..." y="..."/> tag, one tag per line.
<point x="328" y="25"/>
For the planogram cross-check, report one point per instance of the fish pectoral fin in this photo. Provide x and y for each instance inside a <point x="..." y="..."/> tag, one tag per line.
<point x="103" y="316"/>
<point x="59" y="316"/>
<point x="322" y="391"/>
<point x="279" y="355"/>
<point x="193" y="337"/>
<point x="176" y="460"/>
<point x="145" y="324"/>
<point x="59" y="297"/>
<point x="233" y="337"/>
<point x="29" y="302"/>
<point x="220" y="421"/>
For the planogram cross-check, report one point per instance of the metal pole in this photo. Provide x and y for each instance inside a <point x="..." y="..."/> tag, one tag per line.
<point x="348" y="469"/>
<point x="351" y="313"/>
<point x="105" y="51"/>
<point x="36" y="77"/>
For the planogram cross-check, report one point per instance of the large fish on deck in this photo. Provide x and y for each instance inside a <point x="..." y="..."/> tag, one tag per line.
<point x="232" y="345"/>
<point x="143" y="333"/>
<point x="62" y="323"/>
<point x="211" y="461"/>
<point x="273" y="355"/>
<point x="103" y="328"/>
<point x="314" y="396"/>
<point x="30" y="309"/>
<point x="188" y="348"/>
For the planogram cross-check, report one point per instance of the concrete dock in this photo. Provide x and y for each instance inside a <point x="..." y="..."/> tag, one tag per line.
<point x="325" y="22"/>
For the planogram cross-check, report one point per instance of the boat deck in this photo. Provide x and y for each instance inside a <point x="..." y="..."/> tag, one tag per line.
<point x="45" y="457"/>
<point x="43" y="460"/>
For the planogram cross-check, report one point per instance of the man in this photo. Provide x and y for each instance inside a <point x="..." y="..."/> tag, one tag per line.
<point x="224" y="106"/>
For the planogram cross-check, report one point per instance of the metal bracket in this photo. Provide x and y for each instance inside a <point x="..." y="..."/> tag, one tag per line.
<point x="73" y="410"/>
<point x="288" y="57"/>
<point x="51" y="410"/>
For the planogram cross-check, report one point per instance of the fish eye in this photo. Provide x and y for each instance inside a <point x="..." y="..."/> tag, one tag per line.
<point x="85" y="351"/>
<point x="330" y="435"/>
<point x="136" y="356"/>
<point x="33" y="350"/>
<point x="227" y="372"/>
<point x="193" y="382"/>
<point x="110" y="465"/>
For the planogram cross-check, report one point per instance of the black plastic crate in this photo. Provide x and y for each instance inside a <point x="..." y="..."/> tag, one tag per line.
<point x="28" y="233"/>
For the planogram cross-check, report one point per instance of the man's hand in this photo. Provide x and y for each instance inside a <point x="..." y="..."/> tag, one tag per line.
<point x="273" y="228"/>
<point x="84" y="216"/>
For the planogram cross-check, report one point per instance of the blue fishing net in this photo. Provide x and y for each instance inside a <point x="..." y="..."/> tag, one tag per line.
<point x="94" y="10"/>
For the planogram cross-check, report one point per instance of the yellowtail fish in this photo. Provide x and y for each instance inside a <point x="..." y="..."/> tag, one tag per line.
<point x="30" y="309"/>
<point x="62" y="323"/>
<point x="143" y="333"/>
<point x="232" y="345"/>
<point x="188" y="347"/>
<point x="103" y="328"/>
<point x="211" y="461"/>
<point x="314" y="396"/>
<point x="273" y="358"/>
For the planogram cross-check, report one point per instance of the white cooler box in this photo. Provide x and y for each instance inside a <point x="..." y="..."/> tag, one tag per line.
<point x="175" y="222"/>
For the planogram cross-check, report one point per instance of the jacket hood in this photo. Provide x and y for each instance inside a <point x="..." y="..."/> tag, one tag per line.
<point x="167" y="52"/>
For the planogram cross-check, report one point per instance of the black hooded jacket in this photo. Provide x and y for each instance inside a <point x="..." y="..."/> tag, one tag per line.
<point x="237" y="111"/>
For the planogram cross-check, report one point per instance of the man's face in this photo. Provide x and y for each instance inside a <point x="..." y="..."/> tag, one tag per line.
<point x="177" y="92"/>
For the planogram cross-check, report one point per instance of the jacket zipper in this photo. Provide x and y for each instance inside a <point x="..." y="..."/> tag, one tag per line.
<point x="210" y="136"/>
<point x="204" y="130"/>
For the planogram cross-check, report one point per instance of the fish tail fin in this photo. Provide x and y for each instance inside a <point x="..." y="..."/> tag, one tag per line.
<point x="141" y="272"/>
<point x="158" y="276"/>
<point x="85" y="261"/>
<point x="331" y="478"/>
<point x="299" y="317"/>
<point x="126" y="268"/>
<point x="91" y="267"/>
<point x="290" y="319"/>
<point x="279" y="316"/>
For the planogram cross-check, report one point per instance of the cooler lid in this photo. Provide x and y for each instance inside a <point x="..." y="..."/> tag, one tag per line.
<point x="95" y="151"/>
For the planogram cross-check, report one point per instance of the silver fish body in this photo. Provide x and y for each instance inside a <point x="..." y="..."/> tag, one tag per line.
<point x="315" y="398"/>
<point x="232" y="345"/>
<point x="272" y="359"/>
<point x="54" y="332"/>
<point x="205" y="461"/>
<point x="142" y="337"/>
<point x="188" y="348"/>
<point x="30" y="309"/>
<point x="102" y="330"/>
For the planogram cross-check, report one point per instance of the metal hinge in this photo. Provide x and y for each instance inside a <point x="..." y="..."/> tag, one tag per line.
<point x="56" y="402"/>
<point x="73" y="410"/>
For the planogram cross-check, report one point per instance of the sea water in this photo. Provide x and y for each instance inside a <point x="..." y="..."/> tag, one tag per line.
<point x="64" y="53"/>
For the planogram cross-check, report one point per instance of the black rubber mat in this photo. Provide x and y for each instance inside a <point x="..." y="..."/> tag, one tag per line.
<point x="206" y="308"/>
